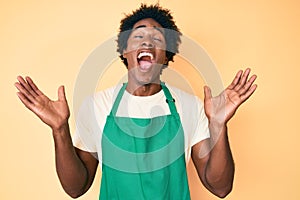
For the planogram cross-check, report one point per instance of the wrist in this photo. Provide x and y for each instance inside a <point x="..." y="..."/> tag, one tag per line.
<point x="62" y="128"/>
<point x="62" y="137"/>
<point x="217" y="129"/>
<point x="217" y="123"/>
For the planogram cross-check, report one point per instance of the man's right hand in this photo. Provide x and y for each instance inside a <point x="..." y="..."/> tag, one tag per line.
<point x="53" y="113"/>
<point x="75" y="168"/>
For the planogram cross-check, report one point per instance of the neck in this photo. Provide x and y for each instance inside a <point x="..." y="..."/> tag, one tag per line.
<point x="144" y="89"/>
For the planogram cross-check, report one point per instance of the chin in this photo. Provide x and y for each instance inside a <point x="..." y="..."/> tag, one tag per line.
<point x="144" y="78"/>
<point x="145" y="81"/>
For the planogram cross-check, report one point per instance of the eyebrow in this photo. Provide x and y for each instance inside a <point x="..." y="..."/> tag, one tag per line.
<point x="155" y="27"/>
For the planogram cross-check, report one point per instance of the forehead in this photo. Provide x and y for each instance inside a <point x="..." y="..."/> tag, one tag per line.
<point x="147" y="22"/>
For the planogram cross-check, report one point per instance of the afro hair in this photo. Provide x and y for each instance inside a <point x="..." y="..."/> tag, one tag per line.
<point x="161" y="16"/>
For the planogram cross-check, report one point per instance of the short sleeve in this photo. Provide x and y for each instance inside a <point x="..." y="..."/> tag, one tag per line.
<point x="84" y="137"/>
<point x="201" y="124"/>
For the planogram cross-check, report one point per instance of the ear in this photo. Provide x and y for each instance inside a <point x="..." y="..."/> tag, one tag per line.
<point x="124" y="54"/>
<point x="166" y="61"/>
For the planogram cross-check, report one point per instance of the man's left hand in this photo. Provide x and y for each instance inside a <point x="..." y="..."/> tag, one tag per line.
<point x="221" y="108"/>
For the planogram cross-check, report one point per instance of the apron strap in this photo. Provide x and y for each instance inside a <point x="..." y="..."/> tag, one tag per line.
<point x="169" y="99"/>
<point x="117" y="101"/>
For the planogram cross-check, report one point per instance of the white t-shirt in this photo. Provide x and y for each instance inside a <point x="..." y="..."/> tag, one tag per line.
<point x="92" y="115"/>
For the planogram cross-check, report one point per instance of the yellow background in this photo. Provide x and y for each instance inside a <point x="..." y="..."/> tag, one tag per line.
<point x="50" y="40"/>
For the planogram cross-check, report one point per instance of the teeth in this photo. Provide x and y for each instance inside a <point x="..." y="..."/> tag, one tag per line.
<point x="145" y="54"/>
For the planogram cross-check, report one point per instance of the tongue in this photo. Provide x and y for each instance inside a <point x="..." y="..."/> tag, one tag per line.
<point x="144" y="64"/>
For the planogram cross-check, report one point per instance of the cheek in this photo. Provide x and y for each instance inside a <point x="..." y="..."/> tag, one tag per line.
<point x="162" y="57"/>
<point x="131" y="58"/>
<point x="132" y="46"/>
<point x="161" y="45"/>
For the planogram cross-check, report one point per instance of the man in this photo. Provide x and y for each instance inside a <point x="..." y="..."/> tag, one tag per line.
<point x="143" y="150"/>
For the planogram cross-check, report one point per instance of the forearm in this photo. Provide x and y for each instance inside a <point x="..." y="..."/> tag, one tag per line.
<point x="72" y="172"/>
<point x="220" y="166"/>
<point x="70" y="169"/>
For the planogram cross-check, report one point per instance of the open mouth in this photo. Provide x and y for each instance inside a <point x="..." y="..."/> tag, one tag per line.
<point x="145" y="60"/>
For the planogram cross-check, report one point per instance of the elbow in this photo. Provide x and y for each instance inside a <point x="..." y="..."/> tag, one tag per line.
<point x="221" y="188"/>
<point x="74" y="191"/>
<point x="222" y="192"/>
<point x="74" y="195"/>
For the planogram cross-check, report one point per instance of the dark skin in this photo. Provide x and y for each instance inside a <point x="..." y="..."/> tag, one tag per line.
<point x="212" y="157"/>
<point x="75" y="168"/>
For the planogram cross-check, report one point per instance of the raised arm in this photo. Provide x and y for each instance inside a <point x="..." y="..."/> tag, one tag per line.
<point x="75" y="168"/>
<point x="212" y="157"/>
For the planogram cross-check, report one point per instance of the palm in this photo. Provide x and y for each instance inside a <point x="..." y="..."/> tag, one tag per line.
<point x="50" y="111"/>
<point x="223" y="106"/>
<point x="53" y="113"/>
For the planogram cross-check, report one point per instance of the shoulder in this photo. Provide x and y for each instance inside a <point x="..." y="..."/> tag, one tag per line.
<point x="184" y="97"/>
<point x="100" y="101"/>
<point x="188" y="105"/>
<point x="107" y="95"/>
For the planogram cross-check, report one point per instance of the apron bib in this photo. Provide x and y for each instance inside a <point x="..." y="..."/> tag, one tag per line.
<point x="143" y="159"/>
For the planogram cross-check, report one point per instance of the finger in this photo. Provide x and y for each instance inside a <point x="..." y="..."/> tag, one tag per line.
<point x="207" y="93"/>
<point x="25" y="92"/>
<point x="61" y="93"/>
<point x="26" y="86"/>
<point x="245" y="96"/>
<point x="242" y="80"/>
<point x="24" y="100"/>
<point x="235" y="80"/>
<point x="247" y="85"/>
<point x="33" y="86"/>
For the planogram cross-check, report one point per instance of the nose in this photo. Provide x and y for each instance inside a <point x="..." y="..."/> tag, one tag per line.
<point x="147" y="42"/>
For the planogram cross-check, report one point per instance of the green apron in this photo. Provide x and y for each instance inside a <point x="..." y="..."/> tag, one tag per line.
<point x="144" y="159"/>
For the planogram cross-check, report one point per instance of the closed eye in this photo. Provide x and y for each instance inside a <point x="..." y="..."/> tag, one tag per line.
<point x="157" y="39"/>
<point x="138" y="36"/>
